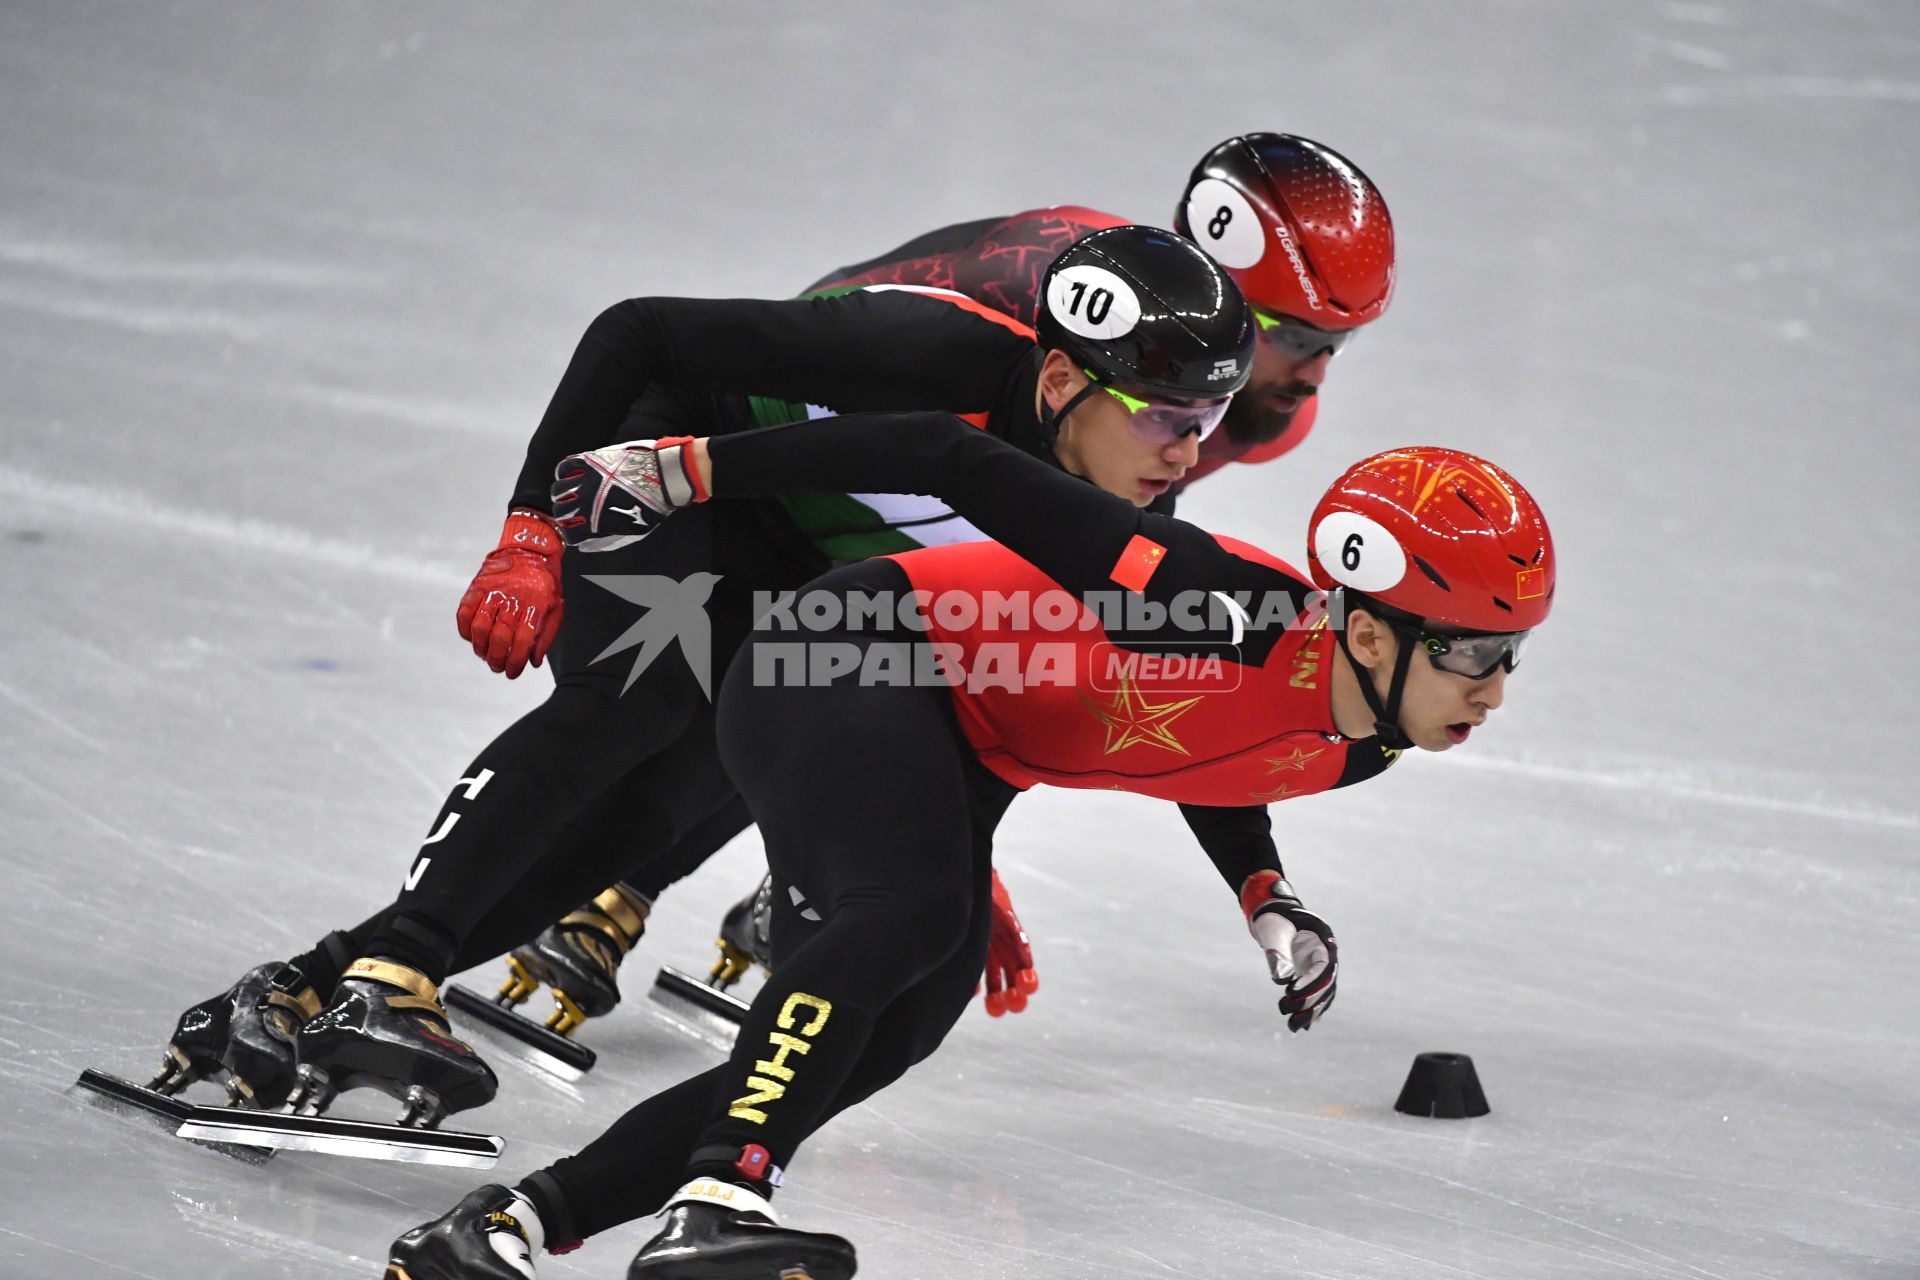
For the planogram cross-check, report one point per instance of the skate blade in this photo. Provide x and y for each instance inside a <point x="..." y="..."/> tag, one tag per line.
<point x="559" y="1056"/>
<point x="671" y="987"/>
<point x="171" y="1112"/>
<point x="362" y="1139"/>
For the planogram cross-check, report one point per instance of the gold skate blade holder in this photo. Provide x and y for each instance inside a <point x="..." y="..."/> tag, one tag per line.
<point x="730" y="967"/>
<point x="567" y="1016"/>
<point x="556" y="1055"/>
<point x="520" y="984"/>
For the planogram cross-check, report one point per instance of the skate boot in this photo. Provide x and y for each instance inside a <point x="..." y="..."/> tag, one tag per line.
<point x="246" y="1033"/>
<point x="490" y="1235"/>
<point x="743" y="939"/>
<point x="386" y="1030"/>
<point x="718" y="1231"/>
<point x="579" y="958"/>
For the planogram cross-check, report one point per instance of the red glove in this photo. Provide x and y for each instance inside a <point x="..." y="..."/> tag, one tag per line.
<point x="512" y="611"/>
<point x="1010" y="976"/>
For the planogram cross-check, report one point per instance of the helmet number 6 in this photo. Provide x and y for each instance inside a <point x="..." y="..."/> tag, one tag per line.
<point x="1350" y="552"/>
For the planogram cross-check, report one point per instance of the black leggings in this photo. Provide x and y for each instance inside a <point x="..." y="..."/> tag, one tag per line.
<point x="879" y="826"/>
<point x="611" y="766"/>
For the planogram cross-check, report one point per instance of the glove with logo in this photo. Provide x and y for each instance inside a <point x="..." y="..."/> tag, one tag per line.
<point x="1301" y="952"/>
<point x="512" y="611"/>
<point x="608" y="498"/>
<point x="1010" y="977"/>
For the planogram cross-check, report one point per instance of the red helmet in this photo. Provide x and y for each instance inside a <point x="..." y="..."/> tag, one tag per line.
<point x="1439" y="534"/>
<point x="1300" y="229"/>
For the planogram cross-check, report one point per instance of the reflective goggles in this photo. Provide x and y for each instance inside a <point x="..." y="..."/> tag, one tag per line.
<point x="1164" y="421"/>
<point x="1298" y="340"/>
<point x="1475" y="656"/>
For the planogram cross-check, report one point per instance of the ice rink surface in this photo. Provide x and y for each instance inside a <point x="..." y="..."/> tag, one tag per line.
<point x="284" y="288"/>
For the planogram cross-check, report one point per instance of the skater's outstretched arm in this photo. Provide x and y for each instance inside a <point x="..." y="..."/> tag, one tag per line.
<point x="1085" y="539"/>
<point x="1077" y="534"/>
<point x="866" y="350"/>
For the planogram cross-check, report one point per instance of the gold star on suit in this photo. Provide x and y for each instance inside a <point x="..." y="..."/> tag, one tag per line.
<point x="1297" y="760"/>
<point x="1279" y="793"/>
<point x="1130" y="719"/>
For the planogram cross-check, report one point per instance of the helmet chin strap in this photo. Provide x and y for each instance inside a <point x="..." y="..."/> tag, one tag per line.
<point x="1051" y="423"/>
<point x="1386" y="715"/>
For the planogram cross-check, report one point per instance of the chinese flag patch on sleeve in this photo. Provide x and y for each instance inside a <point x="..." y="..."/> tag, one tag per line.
<point x="1137" y="563"/>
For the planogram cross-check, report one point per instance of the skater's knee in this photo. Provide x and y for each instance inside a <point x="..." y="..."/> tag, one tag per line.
<point x="917" y="929"/>
<point x="635" y="724"/>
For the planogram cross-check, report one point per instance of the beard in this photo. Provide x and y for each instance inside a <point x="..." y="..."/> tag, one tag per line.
<point x="1250" y="421"/>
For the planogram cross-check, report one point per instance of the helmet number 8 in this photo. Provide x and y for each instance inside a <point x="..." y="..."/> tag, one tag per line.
<point x="1225" y="224"/>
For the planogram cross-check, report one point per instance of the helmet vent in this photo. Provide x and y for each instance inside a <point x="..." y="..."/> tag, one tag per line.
<point x="1516" y="559"/>
<point x="1432" y="573"/>
<point x="1468" y="499"/>
<point x="1503" y="604"/>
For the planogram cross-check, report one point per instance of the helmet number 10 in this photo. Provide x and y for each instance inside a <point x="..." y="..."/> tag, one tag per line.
<point x="1099" y="301"/>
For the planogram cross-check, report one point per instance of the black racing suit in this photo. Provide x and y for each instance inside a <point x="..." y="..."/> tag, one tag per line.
<point x="879" y="816"/>
<point x="999" y="261"/>
<point x="551" y="811"/>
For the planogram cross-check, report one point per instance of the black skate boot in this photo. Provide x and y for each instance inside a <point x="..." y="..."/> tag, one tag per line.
<point x="718" y="1231"/>
<point x="386" y="1030"/>
<point x="579" y="958"/>
<point x="484" y="1237"/>
<point x="743" y="939"/>
<point x="245" y="1033"/>
<point x="743" y="943"/>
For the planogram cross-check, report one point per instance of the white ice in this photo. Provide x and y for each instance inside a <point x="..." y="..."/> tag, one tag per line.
<point x="283" y="288"/>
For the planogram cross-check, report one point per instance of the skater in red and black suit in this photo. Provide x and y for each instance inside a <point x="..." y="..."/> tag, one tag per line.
<point x="1306" y="236"/>
<point x="1428" y="568"/>
<point x="539" y="818"/>
<point x="548" y="810"/>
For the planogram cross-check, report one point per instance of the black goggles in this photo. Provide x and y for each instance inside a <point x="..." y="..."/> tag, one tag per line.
<point x="1475" y="656"/>
<point x="1298" y="340"/>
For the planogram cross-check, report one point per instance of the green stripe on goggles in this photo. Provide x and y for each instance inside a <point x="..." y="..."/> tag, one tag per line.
<point x="1298" y="340"/>
<point x="1164" y="422"/>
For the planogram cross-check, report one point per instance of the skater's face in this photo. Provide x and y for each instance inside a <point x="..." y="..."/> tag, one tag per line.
<point x="1099" y="440"/>
<point x="1438" y="709"/>
<point x="1290" y="361"/>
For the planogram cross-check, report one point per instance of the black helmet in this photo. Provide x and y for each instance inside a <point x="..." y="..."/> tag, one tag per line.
<point x="1147" y="310"/>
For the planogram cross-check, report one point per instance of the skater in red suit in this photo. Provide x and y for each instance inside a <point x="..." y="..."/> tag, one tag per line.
<point x="910" y="705"/>
<point x="1306" y="236"/>
<point x="632" y="700"/>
